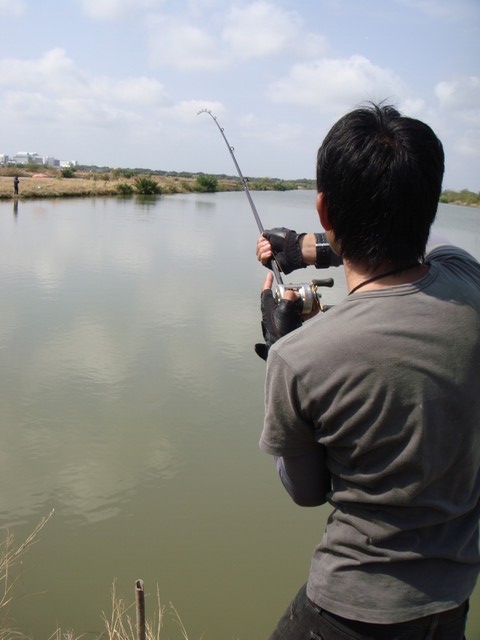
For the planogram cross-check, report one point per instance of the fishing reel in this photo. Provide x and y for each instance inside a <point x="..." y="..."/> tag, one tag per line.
<point x="309" y="294"/>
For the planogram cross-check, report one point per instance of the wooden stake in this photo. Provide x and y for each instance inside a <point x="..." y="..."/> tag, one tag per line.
<point x="140" y="606"/>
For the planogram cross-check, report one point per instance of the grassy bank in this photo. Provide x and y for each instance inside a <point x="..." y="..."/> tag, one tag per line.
<point x="52" y="183"/>
<point x="84" y="185"/>
<point x="465" y="197"/>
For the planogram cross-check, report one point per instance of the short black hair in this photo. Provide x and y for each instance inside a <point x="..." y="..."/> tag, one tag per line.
<point x="381" y="175"/>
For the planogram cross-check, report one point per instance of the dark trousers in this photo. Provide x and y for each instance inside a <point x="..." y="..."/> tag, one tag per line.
<point x="303" y="620"/>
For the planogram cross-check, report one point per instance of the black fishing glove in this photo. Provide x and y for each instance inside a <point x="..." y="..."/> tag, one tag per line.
<point x="286" y="248"/>
<point x="278" y="319"/>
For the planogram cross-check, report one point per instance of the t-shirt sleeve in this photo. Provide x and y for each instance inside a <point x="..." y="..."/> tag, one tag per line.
<point x="286" y="431"/>
<point x="461" y="265"/>
<point x="450" y="255"/>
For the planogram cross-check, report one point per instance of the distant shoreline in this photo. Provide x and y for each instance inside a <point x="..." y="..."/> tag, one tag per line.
<point x="88" y="184"/>
<point x="85" y="186"/>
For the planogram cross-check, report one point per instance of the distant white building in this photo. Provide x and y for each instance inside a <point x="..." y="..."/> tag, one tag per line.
<point x="50" y="161"/>
<point x="27" y="157"/>
<point x="68" y="163"/>
<point x="32" y="157"/>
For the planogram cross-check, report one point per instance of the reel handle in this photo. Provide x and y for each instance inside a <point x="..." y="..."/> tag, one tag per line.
<point x="326" y="282"/>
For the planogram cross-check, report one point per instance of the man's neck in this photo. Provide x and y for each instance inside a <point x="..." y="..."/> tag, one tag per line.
<point x="360" y="277"/>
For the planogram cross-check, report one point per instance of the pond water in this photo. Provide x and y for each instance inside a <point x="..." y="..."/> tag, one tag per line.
<point x="131" y="402"/>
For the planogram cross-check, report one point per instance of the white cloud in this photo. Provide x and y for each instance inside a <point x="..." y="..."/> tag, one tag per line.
<point x="93" y="112"/>
<point x="468" y="143"/>
<point x="462" y="93"/>
<point x="53" y="71"/>
<point x="459" y="105"/>
<point x="54" y="88"/>
<point x="260" y="29"/>
<point x="27" y="107"/>
<point x="142" y="91"/>
<point x="12" y="9"/>
<point x="37" y="110"/>
<point x="200" y="6"/>
<point x="116" y="9"/>
<point x="184" y="46"/>
<point x="336" y="84"/>
<point x="312" y="46"/>
<point x="413" y="108"/>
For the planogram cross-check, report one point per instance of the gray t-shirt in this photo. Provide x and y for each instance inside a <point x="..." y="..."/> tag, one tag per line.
<point x="388" y="381"/>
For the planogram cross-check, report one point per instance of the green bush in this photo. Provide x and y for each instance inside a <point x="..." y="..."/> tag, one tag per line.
<point x="260" y="184"/>
<point x="206" y="184"/>
<point x="147" y="187"/>
<point x="187" y="186"/>
<point x="68" y="172"/>
<point x="124" y="189"/>
<point x="464" y="197"/>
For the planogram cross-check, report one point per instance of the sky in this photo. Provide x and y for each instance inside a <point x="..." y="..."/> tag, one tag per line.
<point x="119" y="83"/>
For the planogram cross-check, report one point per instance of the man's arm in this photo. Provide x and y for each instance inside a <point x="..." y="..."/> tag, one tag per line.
<point x="316" y="251"/>
<point x="294" y="250"/>
<point x="306" y="477"/>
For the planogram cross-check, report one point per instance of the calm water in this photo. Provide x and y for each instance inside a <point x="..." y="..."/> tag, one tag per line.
<point x="132" y="403"/>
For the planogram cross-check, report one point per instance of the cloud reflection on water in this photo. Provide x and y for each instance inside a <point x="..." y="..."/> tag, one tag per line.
<point x="119" y="328"/>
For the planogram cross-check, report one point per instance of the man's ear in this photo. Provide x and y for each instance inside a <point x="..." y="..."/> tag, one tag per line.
<point x="323" y="212"/>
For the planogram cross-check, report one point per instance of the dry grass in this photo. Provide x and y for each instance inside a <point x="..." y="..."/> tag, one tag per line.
<point x="85" y="184"/>
<point x="56" y="187"/>
<point x="119" y="624"/>
<point x="10" y="560"/>
<point x="64" y="635"/>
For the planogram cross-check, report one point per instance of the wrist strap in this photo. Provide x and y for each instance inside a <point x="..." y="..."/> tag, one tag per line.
<point x="323" y="251"/>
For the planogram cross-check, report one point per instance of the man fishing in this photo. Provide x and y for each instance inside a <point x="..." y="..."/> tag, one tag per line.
<point x="374" y="406"/>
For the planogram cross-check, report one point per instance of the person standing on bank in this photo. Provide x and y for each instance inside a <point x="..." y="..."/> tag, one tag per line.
<point x="374" y="406"/>
<point x="15" y="185"/>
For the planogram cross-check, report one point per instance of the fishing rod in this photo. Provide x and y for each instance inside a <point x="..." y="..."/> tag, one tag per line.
<point x="275" y="269"/>
<point x="308" y="292"/>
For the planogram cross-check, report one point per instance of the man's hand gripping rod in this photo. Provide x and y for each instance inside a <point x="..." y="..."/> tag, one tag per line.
<point x="307" y="292"/>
